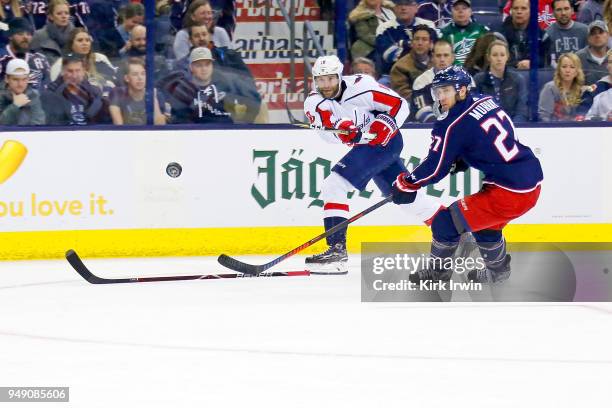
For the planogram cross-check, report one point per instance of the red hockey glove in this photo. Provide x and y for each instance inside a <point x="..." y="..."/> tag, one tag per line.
<point x="354" y="134"/>
<point x="398" y="192"/>
<point x="384" y="127"/>
<point x="403" y="183"/>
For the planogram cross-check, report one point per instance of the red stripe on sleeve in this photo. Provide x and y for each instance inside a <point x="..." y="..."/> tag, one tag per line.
<point x="325" y="117"/>
<point x="336" y="206"/>
<point x="391" y="101"/>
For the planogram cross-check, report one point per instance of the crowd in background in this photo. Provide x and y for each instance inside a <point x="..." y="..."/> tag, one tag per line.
<point x="405" y="42"/>
<point x="84" y="60"/>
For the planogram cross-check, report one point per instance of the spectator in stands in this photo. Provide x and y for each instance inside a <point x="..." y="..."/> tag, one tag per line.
<point x="602" y="85"/>
<point x="607" y="18"/>
<point x="476" y="60"/>
<point x="224" y="10"/>
<point x="80" y="12"/>
<point x="507" y="87"/>
<point x="137" y="48"/>
<point x="413" y="64"/>
<point x="421" y="101"/>
<point x="36" y="10"/>
<point x="565" y="35"/>
<point x="164" y="32"/>
<point x="198" y="37"/>
<point x="100" y="71"/>
<point x="102" y="28"/>
<point x="199" y="13"/>
<point x="52" y="38"/>
<point x="363" y="21"/>
<point x="462" y="32"/>
<point x="545" y="13"/>
<point x="223" y="57"/>
<point x="9" y="9"/>
<point x="364" y="66"/>
<point x="563" y="97"/>
<point x="127" y="103"/>
<point x="202" y="97"/>
<point x="236" y="73"/>
<point x="594" y="57"/>
<point x="227" y="17"/>
<point x="131" y="15"/>
<point x="177" y="13"/>
<point x="137" y="44"/>
<point x="515" y="30"/>
<point x="394" y="37"/>
<point x="590" y="10"/>
<point x="437" y="11"/>
<point x="19" y="105"/>
<point x="602" y="107"/>
<point x="605" y="83"/>
<point x="20" y="38"/>
<point x="71" y="99"/>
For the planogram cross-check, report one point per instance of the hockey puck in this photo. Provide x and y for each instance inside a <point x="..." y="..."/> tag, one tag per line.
<point x="174" y="170"/>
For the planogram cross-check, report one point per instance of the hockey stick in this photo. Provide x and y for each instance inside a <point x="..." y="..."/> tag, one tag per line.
<point x="365" y="137"/>
<point x="79" y="266"/>
<point x="243" y="267"/>
<point x="292" y="118"/>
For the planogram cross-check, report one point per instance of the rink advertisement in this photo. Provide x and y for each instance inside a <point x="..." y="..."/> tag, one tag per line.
<point x="264" y="181"/>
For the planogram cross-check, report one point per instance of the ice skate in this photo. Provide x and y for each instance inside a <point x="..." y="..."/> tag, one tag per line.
<point x="331" y="262"/>
<point x="491" y="275"/>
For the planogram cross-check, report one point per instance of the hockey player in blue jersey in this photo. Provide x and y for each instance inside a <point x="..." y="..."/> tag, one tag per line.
<point x="370" y="114"/>
<point x="473" y="130"/>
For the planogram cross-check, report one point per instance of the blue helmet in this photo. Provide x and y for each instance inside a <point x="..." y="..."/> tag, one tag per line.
<point x="453" y="75"/>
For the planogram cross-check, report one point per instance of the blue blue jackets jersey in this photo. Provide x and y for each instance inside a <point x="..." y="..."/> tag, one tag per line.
<point x="481" y="134"/>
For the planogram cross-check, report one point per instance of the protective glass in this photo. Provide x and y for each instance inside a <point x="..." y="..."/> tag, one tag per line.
<point x="443" y="91"/>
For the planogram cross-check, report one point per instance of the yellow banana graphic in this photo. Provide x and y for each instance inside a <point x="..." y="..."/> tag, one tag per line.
<point x="12" y="154"/>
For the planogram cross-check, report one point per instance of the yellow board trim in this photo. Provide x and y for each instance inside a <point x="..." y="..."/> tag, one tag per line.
<point x="255" y="240"/>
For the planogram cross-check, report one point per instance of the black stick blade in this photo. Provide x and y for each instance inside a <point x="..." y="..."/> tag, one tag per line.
<point x="236" y="265"/>
<point x="79" y="266"/>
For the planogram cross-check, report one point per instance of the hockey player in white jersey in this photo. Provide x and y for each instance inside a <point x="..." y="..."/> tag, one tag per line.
<point x="370" y="115"/>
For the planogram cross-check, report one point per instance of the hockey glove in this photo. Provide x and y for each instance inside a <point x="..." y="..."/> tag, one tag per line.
<point x="401" y="197"/>
<point x="384" y="127"/>
<point x="403" y="191"/>
<point x="354" y="134"/>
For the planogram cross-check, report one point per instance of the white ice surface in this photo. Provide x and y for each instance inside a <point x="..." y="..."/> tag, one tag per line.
<point x="287" y="342"/>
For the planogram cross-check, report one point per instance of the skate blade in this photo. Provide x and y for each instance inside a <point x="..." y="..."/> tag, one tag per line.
<point x="336" y="268"/>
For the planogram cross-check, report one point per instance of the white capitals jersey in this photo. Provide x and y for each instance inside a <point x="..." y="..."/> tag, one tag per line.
<point x="361" y="101"/>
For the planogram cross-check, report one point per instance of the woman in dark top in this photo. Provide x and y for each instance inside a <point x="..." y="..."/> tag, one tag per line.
<point x="507" y="87"/>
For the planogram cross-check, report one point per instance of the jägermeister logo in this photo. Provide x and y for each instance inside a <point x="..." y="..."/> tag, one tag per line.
<point x="295" y="175"/>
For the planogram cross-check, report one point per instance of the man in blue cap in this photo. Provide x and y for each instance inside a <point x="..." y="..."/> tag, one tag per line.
<point x="20" y="37"/>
